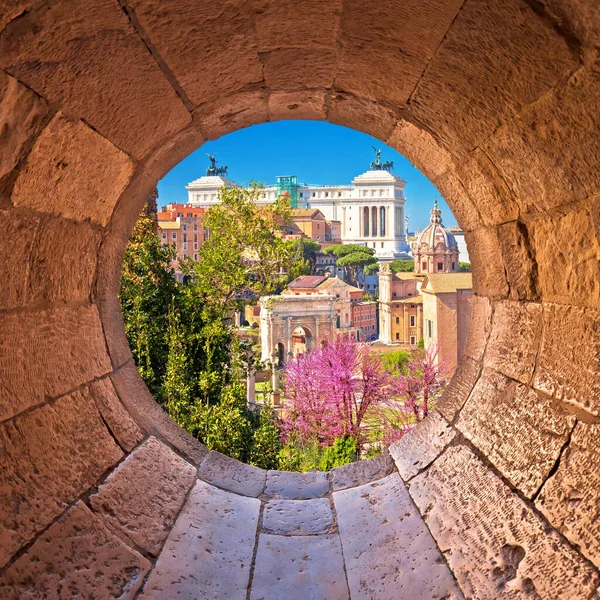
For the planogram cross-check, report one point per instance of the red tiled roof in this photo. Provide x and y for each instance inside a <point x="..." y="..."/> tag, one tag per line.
<point x="307" y="281"/>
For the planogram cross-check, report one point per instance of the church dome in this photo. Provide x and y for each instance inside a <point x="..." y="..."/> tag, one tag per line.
<point x="435" y="233"/>
<point x="435" y="248"/>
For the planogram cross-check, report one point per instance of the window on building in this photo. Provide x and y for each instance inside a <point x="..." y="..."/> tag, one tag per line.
<point x="195" y="257"/>
<point x="314" y="194"/>
<point x="453" y="266"/>
<point x="185" y="237"/>
<point x="412" y="320"/>
<point x="382" y="244"/>
<point x="339" y="194"/>
<point x="424" y="266"/>
<point x="184" y="255"/>
<point x="174" y="236"/>
<point x="195" y="245"/>
<point x="164" y="236"/>
<point x="429" y="327"/>
<point x="397" y="320"/>
<point x="412" y="305"/>
<point x="301" y="195"/>
<point x="413" y="340"/>
<point x="195" y="227"/>
<point x="184" y="246"/>
<point x="326" y="194"/>
<point x="397" y="335"/>
<point x="440" y="266"/>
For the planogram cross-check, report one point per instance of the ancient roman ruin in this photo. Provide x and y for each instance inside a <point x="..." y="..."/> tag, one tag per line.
<point x="493" y="496"/>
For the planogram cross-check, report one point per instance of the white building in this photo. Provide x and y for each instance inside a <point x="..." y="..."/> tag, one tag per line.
<point x="371" y="209"/>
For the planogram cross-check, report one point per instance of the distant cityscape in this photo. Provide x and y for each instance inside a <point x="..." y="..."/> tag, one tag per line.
<point x="431" y="303"/>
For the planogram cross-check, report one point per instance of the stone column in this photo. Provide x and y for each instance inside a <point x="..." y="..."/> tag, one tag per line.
<point x="288" y="328"/>
<point x="251" y="386"/>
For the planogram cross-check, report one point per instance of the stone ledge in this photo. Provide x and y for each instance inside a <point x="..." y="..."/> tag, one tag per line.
<point x="76" y="557"/>
<point x="298" y="517"/>
<point x="141" y="498"/>
<point x="301" y="486"/>
<point x="422" y="445"/>
<point x="495" y="544"/>
<point x="362" y="471"/>
<point x="233" y="475"/>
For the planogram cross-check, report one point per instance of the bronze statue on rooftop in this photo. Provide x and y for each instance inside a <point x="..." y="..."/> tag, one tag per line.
<point x="213" y="169"/>
<point x="378" y="165"/>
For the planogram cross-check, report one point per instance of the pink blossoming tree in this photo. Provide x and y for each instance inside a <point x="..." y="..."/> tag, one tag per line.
<point x="329" y="391"/>
<point x="415" y="393"/>
<point x="344" y="388"/>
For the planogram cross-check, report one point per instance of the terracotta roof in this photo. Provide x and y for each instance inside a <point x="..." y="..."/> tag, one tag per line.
<point x="169" y="225"/>
<point x="442" y="283"/>
<point x="406" y="275"/>
<point x="305" y="212"/>
<point x="307" y="281"/>
<point x="333" y="280"/>
<point x="410" y="300"/>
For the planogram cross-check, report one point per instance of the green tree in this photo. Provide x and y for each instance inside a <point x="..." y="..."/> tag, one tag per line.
<point x="354" y="258"/>
<point x="465" y="267"/>
<point x="402" y="266"/>
<point x="397" y="360"/>
<point x="244" y="256"/>
<point x="148" y="289"/>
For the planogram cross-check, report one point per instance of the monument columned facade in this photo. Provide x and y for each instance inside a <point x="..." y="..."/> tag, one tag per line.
<point x="370" y="209"/>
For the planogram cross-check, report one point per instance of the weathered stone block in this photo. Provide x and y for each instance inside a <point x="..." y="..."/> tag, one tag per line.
<point x="463" y="207"/>
<point x="297" y="568"/>
<point x="551" y="153"/>
<point x="567" y="252"/>
<point x="514" y="339"/>
<point x="21" y="115"/>
<point x="16" y="235"/>
<point x="490" y="79"/>
<point x="568" y="366"/>
<point x="149" y="416"/>
<point x="141" y="498"/>
<point x="398" y="558"/>
<point x="209" y="550"/>
<point x="496" y="546"/>
<point x="63" y="262"/>
<point x="297" y="105"/>
<point x="203" y="66"/>
<point x="69" y="165"/>
<point x="284" y="23"/>
<point x="117" y="419"/>
<point x="298" y="517"/>
<point x="520" y="430"/>
<point x="285" y="484"/>
<point x="422" y="445"/>
<point x="459" y="388"/>
<point x="50" y="456"/>
<point x="232" y="113"/>
<point x="33" y="347"/>
<point x="114" y="331"/>
<point x="299" y="68"/>
<point x="362" y="471"/>
<point x="489" y="276"/>
<point x="479" y="331"/>
<point x="394" y="57"/>
<point x="233" y="475"/>
<point x="496" y="201"/>
<point x="76" y="557"/>
<point x="519" y="260"/>
<point x="364" y="115"/>
<point x="420" y="148"/>
<point x="569" y="499"/>
<point x="94" y="63"/>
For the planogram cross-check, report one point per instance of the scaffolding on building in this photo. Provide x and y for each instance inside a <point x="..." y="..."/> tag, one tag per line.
<point x="288" y="184"/>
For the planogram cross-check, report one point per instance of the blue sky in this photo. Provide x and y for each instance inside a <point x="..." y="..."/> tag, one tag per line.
<point x="317" y="152"/>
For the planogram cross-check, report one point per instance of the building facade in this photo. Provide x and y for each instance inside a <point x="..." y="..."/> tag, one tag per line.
<point x="370" y="210"/>
<point x="432" y="303"/>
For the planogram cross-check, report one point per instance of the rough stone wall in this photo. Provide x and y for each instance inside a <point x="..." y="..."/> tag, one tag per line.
<point x="498" y="103"/>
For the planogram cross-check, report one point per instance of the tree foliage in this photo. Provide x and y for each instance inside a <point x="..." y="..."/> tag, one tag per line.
<point x="353" y="258"/>
<point x="465" y="267"/>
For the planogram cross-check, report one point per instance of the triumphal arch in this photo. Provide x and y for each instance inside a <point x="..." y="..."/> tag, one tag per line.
<point x="290" y="325"/>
